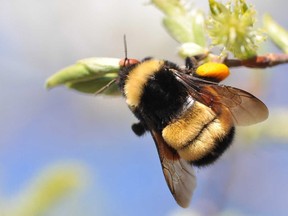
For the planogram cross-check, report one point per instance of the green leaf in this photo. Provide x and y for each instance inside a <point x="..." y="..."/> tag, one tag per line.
<point x="276" y="32"/>
<point x="93" y="85"/>
<point x="74" y="72"/>
<point x="169" y="7"/>
<point x="181" y="24"/>
<point x="87" y="75"/>
<point x="179" y="29"/>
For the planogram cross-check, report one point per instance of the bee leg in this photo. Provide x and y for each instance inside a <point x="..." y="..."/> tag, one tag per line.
<point x="190" y="63"/>
<point x="139" y="128"/>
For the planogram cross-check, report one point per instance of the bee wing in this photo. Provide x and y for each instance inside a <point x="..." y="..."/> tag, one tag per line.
<point x="178" y="173"/>
<point x="245" y="108"/>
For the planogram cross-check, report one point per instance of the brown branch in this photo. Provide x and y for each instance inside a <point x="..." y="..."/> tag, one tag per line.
<point x="264" y="61"/>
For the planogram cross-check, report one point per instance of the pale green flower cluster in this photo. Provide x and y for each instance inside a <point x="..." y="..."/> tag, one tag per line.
<point x="232" y="26"/>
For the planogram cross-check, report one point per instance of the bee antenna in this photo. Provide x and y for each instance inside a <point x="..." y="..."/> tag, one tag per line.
<point x="126" y="61"/>
<point x="125" y="46"/>
<point x="125" y="50"/>
<point x="102" y="89"/>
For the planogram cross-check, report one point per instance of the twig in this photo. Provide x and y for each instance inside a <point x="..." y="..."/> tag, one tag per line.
<point x="264" y="61"/>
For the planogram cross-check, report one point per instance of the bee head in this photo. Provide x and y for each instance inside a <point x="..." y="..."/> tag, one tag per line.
<point x="128" y="62"/>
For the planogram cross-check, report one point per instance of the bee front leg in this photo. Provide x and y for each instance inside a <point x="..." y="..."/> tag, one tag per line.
<point x="139" y="128"/>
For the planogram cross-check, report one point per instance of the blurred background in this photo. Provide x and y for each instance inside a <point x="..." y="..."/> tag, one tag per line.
<point x="66" y="153"/>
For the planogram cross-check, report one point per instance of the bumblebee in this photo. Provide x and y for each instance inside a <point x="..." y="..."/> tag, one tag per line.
<point x="190" y="116"/>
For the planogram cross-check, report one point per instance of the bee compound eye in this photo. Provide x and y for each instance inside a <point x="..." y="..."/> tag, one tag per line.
<point x="127" y="62"/>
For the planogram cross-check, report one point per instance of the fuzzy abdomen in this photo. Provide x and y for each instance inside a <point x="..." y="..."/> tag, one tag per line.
<point x="200" y="135"/>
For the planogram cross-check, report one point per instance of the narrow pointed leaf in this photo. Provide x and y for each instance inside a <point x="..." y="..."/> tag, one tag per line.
<point x="276" y="32"/>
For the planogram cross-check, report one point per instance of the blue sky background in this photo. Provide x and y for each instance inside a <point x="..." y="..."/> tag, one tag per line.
<point x="39" y="128"/>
